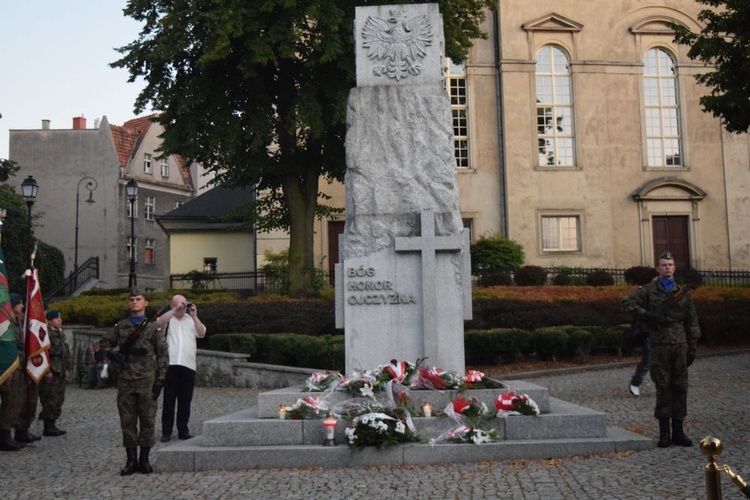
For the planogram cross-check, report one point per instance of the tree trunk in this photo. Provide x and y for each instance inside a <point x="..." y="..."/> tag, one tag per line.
<point x="301" y="198"/>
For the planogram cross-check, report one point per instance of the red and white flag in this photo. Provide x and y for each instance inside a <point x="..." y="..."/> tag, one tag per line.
<point x="35" y="325"/>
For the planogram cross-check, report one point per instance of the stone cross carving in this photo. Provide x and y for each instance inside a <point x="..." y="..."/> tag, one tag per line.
<point x="428" y="245"/>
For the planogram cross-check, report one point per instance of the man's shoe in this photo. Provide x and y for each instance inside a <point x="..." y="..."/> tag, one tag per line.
<point x="635" y="390"/>
<point x="185" y="436"/>
<point x="7" y="443"/>
<point x="143" y="464"/>
<point x="25" y="437"/>
<point x="131" y="465"/>
<point x="678" y="434"/>
<point x="165" y="438"/>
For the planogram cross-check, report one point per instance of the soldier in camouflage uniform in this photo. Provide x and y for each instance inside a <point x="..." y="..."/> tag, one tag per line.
<point x="52" y="386"/>
<point x="673" y="339"/>
<point x="12" y="389"/>
<point x="140" y="380"/>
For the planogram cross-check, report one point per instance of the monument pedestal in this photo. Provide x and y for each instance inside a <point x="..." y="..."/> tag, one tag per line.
<point x="257" y="439"/>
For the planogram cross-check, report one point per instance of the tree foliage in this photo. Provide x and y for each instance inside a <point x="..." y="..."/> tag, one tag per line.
<point x="256" y="92"/>
<point x="724" y="43"/>
<point x="495" y="253"/>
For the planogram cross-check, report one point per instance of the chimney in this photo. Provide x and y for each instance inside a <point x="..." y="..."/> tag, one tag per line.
<point x="79" y="123"/>
<point x="45" y="124"/>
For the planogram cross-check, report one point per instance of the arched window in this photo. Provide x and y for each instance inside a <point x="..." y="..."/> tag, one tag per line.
<point x="554" y="108"/>
<point x="662" y="110"/>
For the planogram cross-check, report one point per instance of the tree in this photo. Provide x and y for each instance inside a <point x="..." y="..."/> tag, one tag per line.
<point x="256" y="92"/>
<point x="724" y="43"/>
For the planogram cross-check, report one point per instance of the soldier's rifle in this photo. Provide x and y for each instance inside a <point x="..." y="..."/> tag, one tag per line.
<point x="120" y="356"/>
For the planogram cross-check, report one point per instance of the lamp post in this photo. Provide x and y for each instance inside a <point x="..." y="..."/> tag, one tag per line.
<point x="131" y="188"/>
<point x="91" y="184"/>
<point x="29" y="188"/>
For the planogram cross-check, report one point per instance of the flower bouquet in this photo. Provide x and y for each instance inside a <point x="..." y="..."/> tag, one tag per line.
<point x="380" y="428"/>
<point x="306" y="408"/>
<point x="436" y="379"/>
<point x="360" y="380"/>
<point x="467" y="411"/>
<point x="321" y="381"/>
<point x="467" y="434"/>
<point x="476" y="380"/>
<point x="510" y="403"/>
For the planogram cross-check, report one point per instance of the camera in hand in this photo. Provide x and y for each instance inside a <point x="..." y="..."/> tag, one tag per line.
<point x="188" y="306"/>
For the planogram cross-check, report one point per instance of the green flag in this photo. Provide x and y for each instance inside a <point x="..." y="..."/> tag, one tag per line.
<point x="8" y="346"/>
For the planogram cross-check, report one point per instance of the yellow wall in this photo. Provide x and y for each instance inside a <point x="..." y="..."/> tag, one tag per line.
<point x="233" y="251"/>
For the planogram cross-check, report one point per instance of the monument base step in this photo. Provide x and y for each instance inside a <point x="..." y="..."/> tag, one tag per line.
<point x="192" y="456"/>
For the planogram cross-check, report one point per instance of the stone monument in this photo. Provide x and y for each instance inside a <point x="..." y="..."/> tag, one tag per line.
<point x="403" y="286"/>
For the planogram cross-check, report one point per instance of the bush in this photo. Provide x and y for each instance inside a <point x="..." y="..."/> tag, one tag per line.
<point x="495" y="278"/>
<point x="640" y="275"/>
<point x="288" y="349"/>
<point x="234" y="342"/>
<point x="580" y="343"/>
<point x="530" y="276"/>
<point x="549" y="343"/>
<point x="502" y="345"/>
<point x="495" y="253"/>
<point x="599" y="278"/>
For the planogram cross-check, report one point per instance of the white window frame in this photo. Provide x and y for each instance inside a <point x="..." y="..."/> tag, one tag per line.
<point x="149" y="244"/>
<point x="129" y="248"/>
<point x="662" y="112"/>
<point x="556" y="144"/>
<point x="560" y="232"/>
<point x="134" y="206"/>
<point x="149" y="207"/>
<point x="164" y="164"/>
<point x="148" y="164"/>
<point x="458" y="93"/>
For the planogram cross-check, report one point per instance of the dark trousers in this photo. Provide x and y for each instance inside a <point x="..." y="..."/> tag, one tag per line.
<point x="642" y="369"/>
<point x="178" y="387"/>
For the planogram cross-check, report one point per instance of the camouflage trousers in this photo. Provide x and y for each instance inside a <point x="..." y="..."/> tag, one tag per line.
<point x="137" y="410"/>
<point x="30" y="398"/>
<point x="11" y="400"/>
<point x="670" y="375"/>
<point x="52" y="397"/>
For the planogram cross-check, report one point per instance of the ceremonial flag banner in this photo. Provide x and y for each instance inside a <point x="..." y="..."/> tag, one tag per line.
<point x="8" y="346"/>
<point x="37" y="339"/>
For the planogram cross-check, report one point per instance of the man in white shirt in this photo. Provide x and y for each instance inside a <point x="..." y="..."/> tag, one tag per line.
<point x="182" y="328"/>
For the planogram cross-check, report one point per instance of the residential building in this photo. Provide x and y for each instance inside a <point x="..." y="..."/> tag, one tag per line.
<point x="211" y="233"/>
<point x="64" y="162"/>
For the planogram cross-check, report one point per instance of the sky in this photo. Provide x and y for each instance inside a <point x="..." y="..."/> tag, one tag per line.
<point x="54" y="64"/>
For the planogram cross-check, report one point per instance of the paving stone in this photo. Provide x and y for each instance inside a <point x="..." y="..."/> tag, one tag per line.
<point x="85" y="462"/>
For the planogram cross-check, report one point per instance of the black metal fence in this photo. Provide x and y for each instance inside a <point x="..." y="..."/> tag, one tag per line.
<point x="262" y="282"/>
<point x="245" y="281"/>
<point x="723" y="278"/>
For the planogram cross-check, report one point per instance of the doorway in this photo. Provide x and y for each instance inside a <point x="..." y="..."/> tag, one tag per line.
<point x="671" y="233"/>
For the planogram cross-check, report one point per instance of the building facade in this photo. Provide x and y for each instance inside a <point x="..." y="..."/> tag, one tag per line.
<point x="579" y="134"/>
<point x="78" y="164"/>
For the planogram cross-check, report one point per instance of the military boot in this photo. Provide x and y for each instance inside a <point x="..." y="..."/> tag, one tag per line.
<point x="7" y="443"/>
<point x="663" y="433"/>
<point x="26" y="437"/>
<point x="50" y="429"/>
<point x="678" y="435"/>
<point x="143" y="464"/>
<point x="131" y="465"/>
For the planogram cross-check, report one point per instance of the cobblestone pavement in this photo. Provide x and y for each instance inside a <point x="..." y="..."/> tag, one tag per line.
<point x="85" y="463"/>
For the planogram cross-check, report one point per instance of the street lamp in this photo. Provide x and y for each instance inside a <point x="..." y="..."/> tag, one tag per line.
<point x="29" y="188"/>
<point x="91" y="184"/>
<point x="131" y="188"/>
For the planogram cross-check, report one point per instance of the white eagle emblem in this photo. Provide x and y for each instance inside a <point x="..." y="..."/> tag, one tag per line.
<point x="398" y="43"/>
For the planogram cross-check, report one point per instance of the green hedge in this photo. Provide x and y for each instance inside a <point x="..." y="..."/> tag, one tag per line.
<point x="502" y="345"/>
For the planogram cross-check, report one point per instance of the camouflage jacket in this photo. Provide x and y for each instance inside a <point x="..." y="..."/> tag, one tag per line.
<point x="152" y="363"/>
<point x="682" y="325"/>
<point x="59" y="352"/>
